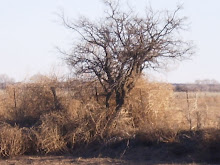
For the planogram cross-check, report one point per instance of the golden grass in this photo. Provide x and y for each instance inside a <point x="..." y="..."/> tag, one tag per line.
<point x="201" y="107"/>
<point x="50" y="133"/>
<point x="38" y="118"/>
<point x="12" y="140"/>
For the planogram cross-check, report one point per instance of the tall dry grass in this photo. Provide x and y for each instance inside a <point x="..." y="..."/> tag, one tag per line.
<point x="13" y="140"/>
<point x="26" y="103"/>
<point x="52" y="117"/>
<point x="50" y="133"/>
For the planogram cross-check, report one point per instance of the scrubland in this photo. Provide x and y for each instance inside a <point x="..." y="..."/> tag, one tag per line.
<point x="156" y="125"/>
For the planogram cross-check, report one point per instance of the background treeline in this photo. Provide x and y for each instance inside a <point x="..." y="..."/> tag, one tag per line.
<point x="177" y="87"/>
<point x="197" y="87"/>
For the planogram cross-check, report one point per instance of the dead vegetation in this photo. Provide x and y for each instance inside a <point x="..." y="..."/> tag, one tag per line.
<point x="49" y="118"/>
<point x="12" y="140"/>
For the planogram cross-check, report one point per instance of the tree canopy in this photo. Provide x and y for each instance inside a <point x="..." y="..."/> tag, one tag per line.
<point x="117" y="48"/>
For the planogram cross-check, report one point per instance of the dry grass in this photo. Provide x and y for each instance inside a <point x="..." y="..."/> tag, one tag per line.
<point x="50" y="133"/>
<point x="202" y="108"/>
<point x="12" y="141"/>
<point x="39" y="119"/>
<point x="24" y="104"/>
<point x="150" y="105"/>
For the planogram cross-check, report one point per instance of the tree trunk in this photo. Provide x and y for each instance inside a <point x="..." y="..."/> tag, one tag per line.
<point x="15" y="102"/>
<point x="120" y="98"/>
<point x="56" y="101"/>
<point x="96" y="94"/>
<point x="108" y="96"/>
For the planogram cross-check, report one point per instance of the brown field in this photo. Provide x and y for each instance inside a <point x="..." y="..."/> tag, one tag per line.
<point x="202" y="107"/>
<point x="45" y="123"/>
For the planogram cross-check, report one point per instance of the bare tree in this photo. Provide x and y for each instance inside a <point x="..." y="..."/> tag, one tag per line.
<point x="117" y="48"/>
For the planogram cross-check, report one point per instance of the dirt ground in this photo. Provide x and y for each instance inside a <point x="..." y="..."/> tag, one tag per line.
<point x="58" y="160"/>
<point x="68" y="160"/>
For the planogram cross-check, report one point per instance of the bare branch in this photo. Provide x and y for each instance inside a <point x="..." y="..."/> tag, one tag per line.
<point x="121" y="45"/>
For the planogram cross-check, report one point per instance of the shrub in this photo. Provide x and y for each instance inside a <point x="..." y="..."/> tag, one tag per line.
<point x="13" y="141"/>
<point x="50" y="134"/>
<point x="151" y="104"/>
<point x="89" y="124"/>
<point x="25" y="103"/>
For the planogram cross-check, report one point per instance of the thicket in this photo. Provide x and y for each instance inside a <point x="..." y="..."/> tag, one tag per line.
<point x="52" y="117"/>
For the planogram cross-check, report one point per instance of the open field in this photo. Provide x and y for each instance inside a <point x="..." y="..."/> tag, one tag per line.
<point x="200" y="108"/>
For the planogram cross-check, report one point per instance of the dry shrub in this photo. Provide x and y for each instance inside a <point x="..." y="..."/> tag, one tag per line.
<point x="149" y="114"/>
<point x="150" y="104"/>
<point x="147" y="110"/>
<point x="35" y="100"/>
<point x="25" y="103"/>
<point x="2" y="103"/>
<point x="7" y="103"/>
<point x="73" y="107"/>
<point x="12" y="141"/>
<point x="151" y="110"/>
<point x="82" y="122"/>
<point x="50" y="134"/>
<point x="122" y="127"/>
<point x="95" y="123"/>
<point x="90" y="124"/>
<point x="82" y="90"/>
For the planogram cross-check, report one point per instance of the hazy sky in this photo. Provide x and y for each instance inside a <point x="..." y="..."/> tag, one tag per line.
<point x="30" y="30"/>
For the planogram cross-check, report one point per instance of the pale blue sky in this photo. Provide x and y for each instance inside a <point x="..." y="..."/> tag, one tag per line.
<point x="30" y="30"/>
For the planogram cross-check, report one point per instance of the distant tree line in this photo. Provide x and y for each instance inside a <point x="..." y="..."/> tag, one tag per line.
<point x="5" y="80"/>
<point x="199" y="85"/>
